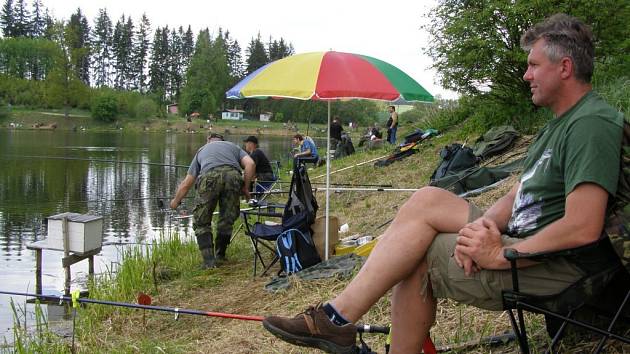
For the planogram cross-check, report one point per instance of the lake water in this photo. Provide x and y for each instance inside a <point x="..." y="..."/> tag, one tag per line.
<point x="33" y="186"/>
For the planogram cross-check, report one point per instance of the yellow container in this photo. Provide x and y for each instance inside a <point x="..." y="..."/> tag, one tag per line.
<point x="365" y="249"/>
<point x="342" y="249"/>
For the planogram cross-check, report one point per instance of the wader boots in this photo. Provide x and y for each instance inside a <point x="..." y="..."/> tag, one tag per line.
<point x="208" y="258"/>
<point x="222" y="243"/>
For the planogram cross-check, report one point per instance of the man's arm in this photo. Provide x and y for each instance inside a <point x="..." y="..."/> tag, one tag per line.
<point x="182" y="190"/>
<point x="305" y="153"/>
<point x="249" y="168"/>
<point x="501" y="211"/>
<point x="582" y="223"/>
<point x="394" y="119"/>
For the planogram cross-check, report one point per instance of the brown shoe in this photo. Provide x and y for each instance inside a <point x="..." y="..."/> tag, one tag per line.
<point x="312" y="328"/>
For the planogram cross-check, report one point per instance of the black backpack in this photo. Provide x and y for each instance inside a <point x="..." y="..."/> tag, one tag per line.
<point x="455" y="158"/>
<point x="296" y="251"/>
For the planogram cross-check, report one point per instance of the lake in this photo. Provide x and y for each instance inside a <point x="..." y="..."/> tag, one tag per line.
<point x="50" y="172"/>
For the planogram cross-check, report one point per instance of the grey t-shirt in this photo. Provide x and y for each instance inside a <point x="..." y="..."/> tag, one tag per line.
<point x="215" y="154"/>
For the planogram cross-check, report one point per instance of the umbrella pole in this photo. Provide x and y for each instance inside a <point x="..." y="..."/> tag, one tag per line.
<point x="327" y="182"/>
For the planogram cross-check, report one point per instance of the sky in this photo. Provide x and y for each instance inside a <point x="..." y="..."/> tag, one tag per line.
<point x="388" y="30"/>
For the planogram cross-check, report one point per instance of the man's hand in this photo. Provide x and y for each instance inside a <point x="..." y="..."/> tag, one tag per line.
<point x="465" y="262"/>
<point x="246" y="193"/>
<point x="174" y="203"/>
<point x="481" y="242"/>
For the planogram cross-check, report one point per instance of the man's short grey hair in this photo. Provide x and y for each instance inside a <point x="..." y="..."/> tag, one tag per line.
<point x="565" y="36"/>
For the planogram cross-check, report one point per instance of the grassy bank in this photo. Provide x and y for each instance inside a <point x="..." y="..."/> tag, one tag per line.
<point x="169" y="272"/>
<point x="22" y="118"/>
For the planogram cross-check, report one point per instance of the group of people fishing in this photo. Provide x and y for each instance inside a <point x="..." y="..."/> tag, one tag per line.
<point x="439" y="245"/>
<point x="221" y="172"/>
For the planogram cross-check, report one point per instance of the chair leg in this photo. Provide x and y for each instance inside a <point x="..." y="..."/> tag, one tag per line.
<point x="559" y="333"/>
<point x="519" y="331"/>
<point x="600" y="345"/>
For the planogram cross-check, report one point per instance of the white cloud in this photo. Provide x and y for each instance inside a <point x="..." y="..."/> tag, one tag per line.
<point x="389" y="30"/>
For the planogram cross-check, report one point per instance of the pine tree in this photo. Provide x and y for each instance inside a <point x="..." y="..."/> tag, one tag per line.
<point x="256" y="55"/>
<point x="49" y="24"/>
<point x="128" y="72"/>
<point x="188" y="48"/>
<point x="22" y="24"/>
<point x="159" y="63"/>
<point x="38" y="20"/>
<point x="207" y="76"/>
<point x="285" y="49"/>
<point x="234" y="58"/>
<point x="102" y="49"/>
<point x="122" y="46"/>
<point x="77" y="37"/>
<point x="273" y="50"/>
<point x="175" y="64"/>
<point x="7" y="20"/>
<point x="141" y="52"/>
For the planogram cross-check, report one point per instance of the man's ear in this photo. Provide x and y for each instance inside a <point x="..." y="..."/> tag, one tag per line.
<point x="566" y="68"/>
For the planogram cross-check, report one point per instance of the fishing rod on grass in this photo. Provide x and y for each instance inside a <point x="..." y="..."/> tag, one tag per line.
<point x="144" y="303"/>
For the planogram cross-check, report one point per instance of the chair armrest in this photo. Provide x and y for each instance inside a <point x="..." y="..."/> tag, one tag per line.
<point x="511" y="254"/>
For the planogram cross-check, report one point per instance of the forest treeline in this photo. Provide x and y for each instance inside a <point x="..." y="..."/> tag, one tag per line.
<point x="79" y="63"/>
<point x="131" y="68"/>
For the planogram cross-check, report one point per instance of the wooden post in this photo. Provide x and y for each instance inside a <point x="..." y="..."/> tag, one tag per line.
<point x="91" y="268"/>
<point x="66" y="253"/>
<point x="38" y="271"/>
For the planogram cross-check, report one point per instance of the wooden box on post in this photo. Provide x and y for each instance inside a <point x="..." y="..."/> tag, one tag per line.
<point x="85" y="232"/>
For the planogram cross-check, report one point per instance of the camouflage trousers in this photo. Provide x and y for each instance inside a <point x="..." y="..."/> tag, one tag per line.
<point x="221" y="185"/>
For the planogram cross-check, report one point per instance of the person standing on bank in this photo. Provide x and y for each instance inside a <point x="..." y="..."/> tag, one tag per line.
<point x="216" y="172"/>
<point x="335" y="133"/>
<point x="392" y="125"/>
<point x="445" y="247"/>
<point x="264" y="173"/>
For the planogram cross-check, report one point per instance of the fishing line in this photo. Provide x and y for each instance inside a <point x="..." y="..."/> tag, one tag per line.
<point x="93" y="160"/>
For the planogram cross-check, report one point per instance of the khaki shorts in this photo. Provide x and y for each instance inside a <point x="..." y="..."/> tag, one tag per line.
<point x="483" y="289"/>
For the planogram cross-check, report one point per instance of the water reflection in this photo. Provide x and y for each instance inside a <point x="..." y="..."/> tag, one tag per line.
<point x="125" y="194"/>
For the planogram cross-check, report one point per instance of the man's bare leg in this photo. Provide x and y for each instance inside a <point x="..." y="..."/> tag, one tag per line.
<point x="402" y="247"/>
<point x="413" y="311"/>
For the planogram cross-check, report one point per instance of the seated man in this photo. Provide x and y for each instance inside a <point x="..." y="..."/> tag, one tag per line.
<point x="441" y="246"/>
<point x="308" y="150"/>
<point x="264" y="173"/>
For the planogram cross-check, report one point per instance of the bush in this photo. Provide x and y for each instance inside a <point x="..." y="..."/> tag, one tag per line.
<point x="5" y="111"/>
<point x="105" y="107"/>
<point x="145" y="108"/>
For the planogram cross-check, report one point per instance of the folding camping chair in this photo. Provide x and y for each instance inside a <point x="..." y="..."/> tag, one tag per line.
<point x="262" y="188"/>
<point x="298" y="213"/>
<point x="603" y="292"/>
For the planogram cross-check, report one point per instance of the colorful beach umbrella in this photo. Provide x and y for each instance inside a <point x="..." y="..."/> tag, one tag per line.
<point x="330" y="76"/>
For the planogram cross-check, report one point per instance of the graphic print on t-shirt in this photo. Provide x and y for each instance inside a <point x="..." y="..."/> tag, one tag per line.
<point x="527" y="209"/>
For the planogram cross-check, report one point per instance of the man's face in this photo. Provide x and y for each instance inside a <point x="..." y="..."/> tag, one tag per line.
<point x="249" y="146"/>
<point x="296" y="141"/>
<point x="543" y="76"/>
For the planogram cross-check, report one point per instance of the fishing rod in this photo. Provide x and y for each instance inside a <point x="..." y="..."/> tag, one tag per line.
<point x="337" y="184"/>
<point x="101" y="201"/>
<point x="351" y="166"/>
<point x="176" y="310"/>
<point x="370" y="189"/>
<point x="95" y="160"/>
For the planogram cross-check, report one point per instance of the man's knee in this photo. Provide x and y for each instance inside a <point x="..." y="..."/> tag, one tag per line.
<point x="429" y="197"/>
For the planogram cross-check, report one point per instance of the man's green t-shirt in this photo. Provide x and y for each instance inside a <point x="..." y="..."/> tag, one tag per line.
<point x="582" y="145"/>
